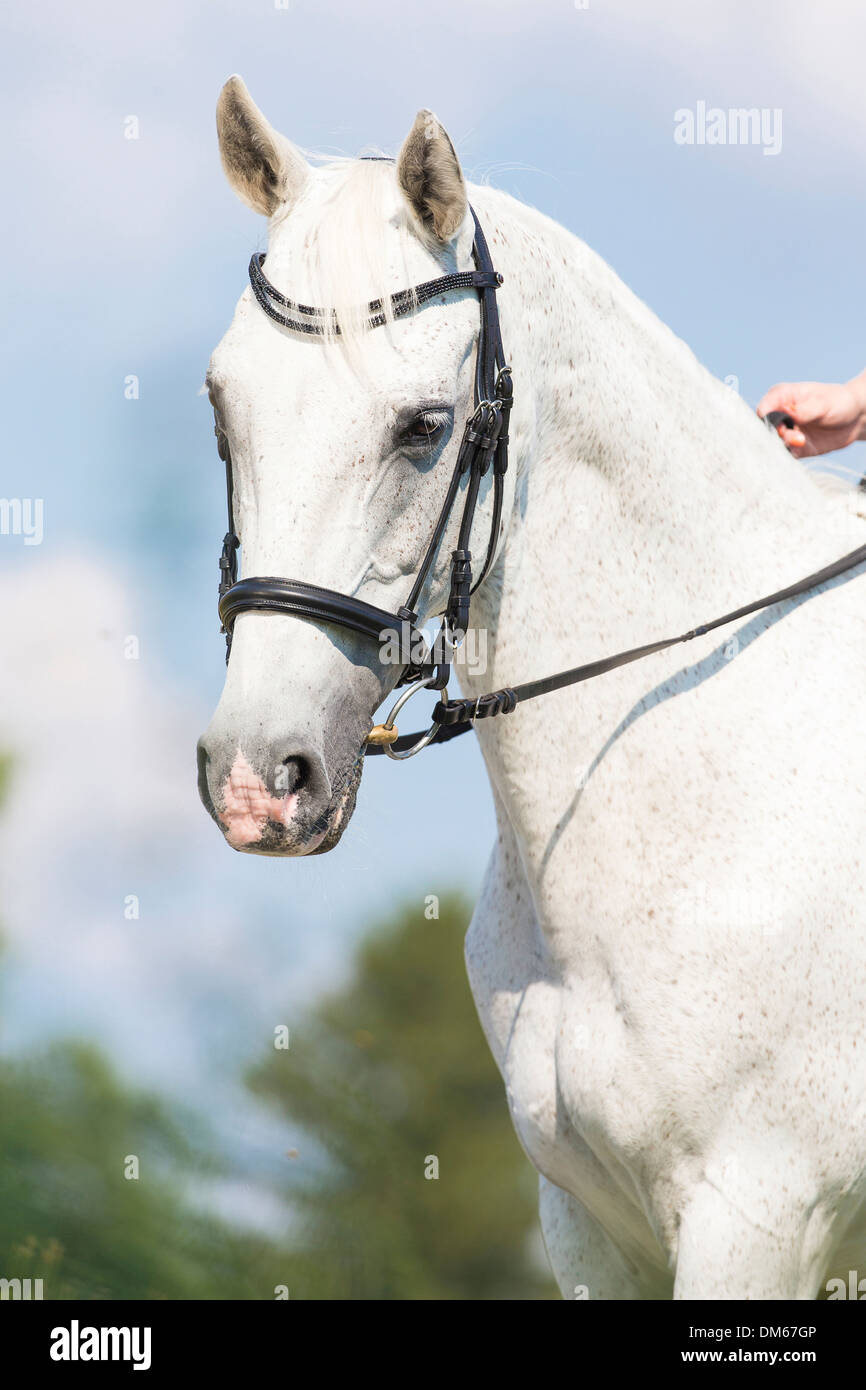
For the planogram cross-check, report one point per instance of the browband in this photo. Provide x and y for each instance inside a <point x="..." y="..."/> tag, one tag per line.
<point x="402" y="303"/>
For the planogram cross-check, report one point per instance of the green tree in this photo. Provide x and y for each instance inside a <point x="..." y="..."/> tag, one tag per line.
<point x="72" y="1214"/>
<point x="381" y="1079"/>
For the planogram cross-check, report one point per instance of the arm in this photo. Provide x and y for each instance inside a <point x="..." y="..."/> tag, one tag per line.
<point x="825" y="417"/>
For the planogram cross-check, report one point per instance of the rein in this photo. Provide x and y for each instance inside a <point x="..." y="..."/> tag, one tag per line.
<point x="457" y="716"/>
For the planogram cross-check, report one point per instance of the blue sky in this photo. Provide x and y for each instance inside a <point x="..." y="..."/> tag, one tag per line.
<point x="127" y="256"/>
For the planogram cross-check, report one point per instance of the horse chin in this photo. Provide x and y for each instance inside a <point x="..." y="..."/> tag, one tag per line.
<point x="341" y="817"/>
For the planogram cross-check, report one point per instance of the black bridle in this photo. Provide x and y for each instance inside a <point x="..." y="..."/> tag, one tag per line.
<point x="484" y="445"/>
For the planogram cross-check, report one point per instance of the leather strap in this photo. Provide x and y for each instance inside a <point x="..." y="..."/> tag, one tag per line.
<point x="293" y="596"/>
<point x="457" y="716"/>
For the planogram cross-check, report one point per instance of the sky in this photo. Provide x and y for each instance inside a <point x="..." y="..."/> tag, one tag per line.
<point x="125" y="257"/>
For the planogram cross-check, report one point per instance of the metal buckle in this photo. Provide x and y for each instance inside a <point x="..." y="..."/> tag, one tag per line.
<point x="385" y="734"/>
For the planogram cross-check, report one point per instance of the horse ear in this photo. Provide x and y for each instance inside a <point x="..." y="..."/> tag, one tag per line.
<point x="262" y="166"/>
<point x="429" y="174"/>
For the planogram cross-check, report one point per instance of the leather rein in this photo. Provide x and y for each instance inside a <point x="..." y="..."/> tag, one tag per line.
<point x="484" y="445"/>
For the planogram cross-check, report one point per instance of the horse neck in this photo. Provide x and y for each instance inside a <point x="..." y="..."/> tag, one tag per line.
<point x="649" y="496"/>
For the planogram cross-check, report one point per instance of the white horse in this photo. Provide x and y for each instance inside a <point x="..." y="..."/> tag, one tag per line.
<point x="669" y="951"/>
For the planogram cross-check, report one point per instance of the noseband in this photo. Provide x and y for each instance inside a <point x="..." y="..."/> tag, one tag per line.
<point x="484" y="446"/>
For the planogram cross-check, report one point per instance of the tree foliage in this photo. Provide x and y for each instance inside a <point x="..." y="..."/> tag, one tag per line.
<point x="72" y="1213"/>
<point x="386" y="1080"/>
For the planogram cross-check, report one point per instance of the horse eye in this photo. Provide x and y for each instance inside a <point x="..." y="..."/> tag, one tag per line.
<point x="426" y="428"/>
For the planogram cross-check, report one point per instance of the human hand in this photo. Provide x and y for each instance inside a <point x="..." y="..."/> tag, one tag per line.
<point x="826" y="417"/>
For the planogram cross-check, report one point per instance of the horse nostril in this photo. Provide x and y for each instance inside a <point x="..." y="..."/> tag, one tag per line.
<point x="292" y="776"/>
